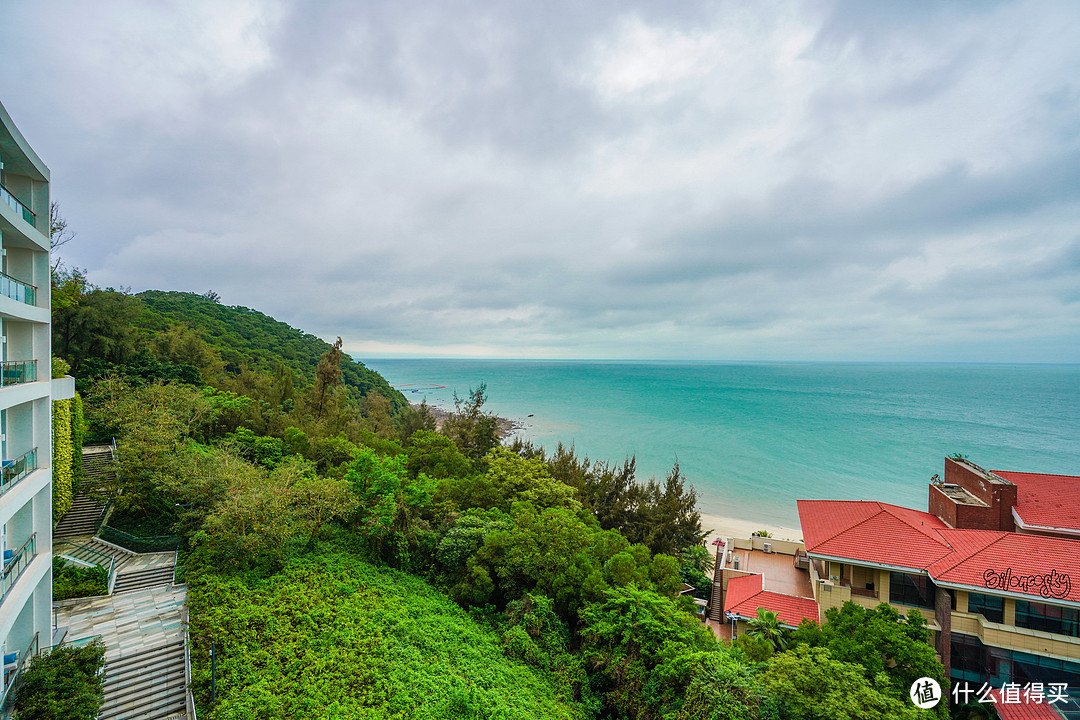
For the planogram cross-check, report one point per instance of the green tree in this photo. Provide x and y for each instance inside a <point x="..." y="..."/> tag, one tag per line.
<point x="413" y="419"/>
<point x="436" y="456"/>
<point x="151" y="424"/>
<point x="472" y="430"/>
<point x="631" y="637"/>
<point x="90" y="324"/>
<point x="890" y="648"/>
<point x="327" y="377"/>
<point x="767" y="626"/>
<point x="813" y="684"/>
<point x="391" y="506"/>
<point x="669" y="521"/>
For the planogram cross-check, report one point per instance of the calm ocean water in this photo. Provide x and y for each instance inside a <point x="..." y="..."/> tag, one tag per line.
<point x="753" y="438"/>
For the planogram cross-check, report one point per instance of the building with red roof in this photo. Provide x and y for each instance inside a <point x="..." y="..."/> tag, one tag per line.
<point x="746" y="594"/>
<point x="994" y="566"/>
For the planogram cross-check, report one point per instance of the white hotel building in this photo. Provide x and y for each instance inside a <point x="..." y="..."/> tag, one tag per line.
<point x="26" y="394"/>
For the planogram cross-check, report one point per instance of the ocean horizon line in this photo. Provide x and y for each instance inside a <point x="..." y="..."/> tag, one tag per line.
<point x="633" y="361"/>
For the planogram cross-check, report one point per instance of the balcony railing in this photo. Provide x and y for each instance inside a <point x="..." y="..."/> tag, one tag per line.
<point x="16" y="563"/>
<point x="18" y="290"/>
<point x="14" y="372"/>
<point x="12" y="471"/>
<point x="13" y="675"/>
<point x="17" y="204"/>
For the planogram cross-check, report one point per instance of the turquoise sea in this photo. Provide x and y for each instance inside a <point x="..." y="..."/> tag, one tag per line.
<point x="754" y="438"/>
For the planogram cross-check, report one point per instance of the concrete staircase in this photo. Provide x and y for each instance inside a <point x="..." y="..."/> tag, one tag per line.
<point x="716" y="597"/>
<point x="78" y="550"/>
<point x="98" y="465"/>
<point x="81" y="519"/>
<point x="140" y="579"/>
<point x="147" y="685"/>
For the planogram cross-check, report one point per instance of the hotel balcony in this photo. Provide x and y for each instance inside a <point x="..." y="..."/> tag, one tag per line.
<point x="14" y="372"/>
<point x="15" y="204"/>
<point x="15" y="562"/>
<point x="18" y="290"/>
<point x="12" y="471"/>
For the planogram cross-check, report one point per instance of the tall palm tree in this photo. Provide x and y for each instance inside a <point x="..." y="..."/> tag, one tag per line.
<point x="767" y="626"/>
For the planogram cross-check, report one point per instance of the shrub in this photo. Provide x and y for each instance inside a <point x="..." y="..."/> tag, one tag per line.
<point x="63" y="451"/>
<point x="72" y="581"/>
<point x="63" y="684"/>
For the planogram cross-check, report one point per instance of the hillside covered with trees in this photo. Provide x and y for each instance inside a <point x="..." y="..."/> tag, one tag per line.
<point x="348" y="558"/>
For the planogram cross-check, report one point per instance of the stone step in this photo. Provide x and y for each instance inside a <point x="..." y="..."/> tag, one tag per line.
<point x="148" y="685"/>
<point x="143" y="579"/>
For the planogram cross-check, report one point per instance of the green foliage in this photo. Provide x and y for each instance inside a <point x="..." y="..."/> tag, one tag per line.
<point x="72" y="581"/>
<point x="391" y="504"/>
<point x="151" y="424"/>
<point x="89" y="323"/>
<point x="717" y="686"/>
<point x="265" y="451"/>
<point x="756" y="648"/>
<point x="251" y="517"/>
<point x="60" y="367"/>
<point x="472" y="430"/>
<point x="767" y="626"/>
<point x="63" y="684"/>
<point x="662" y="516"/>
<point x="78" y="432"/>
<point x="813" y="684"/>
<point x="289" y="644"/>
<point x="245" y="338"/>
<point x="510" y="478"/>
<point x="631" y="638"/>
<point x="413" y="419"/>
<point x="63" y="460"/>
<point x="891" y="650"/>
<point x="436" y="456"/>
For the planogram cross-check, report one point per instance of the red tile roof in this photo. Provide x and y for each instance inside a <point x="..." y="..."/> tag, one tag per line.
<point x="1047" y="567"/>
<point x="745" y="595"/>
<point x="1046" y="500"/>
<point x="1024" y="710"/>
<point x="871" y="531"/>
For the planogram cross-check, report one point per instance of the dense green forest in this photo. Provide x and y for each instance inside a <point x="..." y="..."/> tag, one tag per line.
<point x="349" y="558"/>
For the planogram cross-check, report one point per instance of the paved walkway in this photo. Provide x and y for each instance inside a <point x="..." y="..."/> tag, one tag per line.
<point x="129" y="622"/>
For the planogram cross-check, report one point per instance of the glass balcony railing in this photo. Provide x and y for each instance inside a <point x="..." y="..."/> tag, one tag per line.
<point x="12" y="471"/>
<point x="13" y="675"/>
<point x="14" y="372"/>
<point x="17" y="205"/>
<point x="18" y="290"/>
<point x="15" y="563"/>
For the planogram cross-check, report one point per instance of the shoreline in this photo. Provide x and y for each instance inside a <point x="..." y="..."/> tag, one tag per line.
<point x="720" y="526"/>
<point x="728" y="527"/>
<point x="507" y="427"/>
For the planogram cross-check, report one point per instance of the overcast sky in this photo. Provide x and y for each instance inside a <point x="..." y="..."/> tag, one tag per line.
<point x="669" y="180"/>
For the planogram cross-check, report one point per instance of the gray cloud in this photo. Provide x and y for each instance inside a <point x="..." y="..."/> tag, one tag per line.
<point x="713" y="181"/>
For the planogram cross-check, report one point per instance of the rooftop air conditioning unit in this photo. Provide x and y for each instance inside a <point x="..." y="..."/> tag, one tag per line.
<point x="735" y="562"/>
<point x="768" y="547"/>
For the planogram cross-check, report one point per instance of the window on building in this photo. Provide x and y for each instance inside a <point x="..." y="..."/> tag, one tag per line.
<point x="990" y="607"/>
<point x="1048" y="618"/>
<point x="969" y="658"/>
<point x="907" y="589"/>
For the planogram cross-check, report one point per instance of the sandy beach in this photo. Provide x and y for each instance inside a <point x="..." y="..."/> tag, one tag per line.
<point x="723" y="527"/>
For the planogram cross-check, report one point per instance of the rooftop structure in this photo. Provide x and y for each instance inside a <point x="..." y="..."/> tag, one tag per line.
<point x="994" y="566"/>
